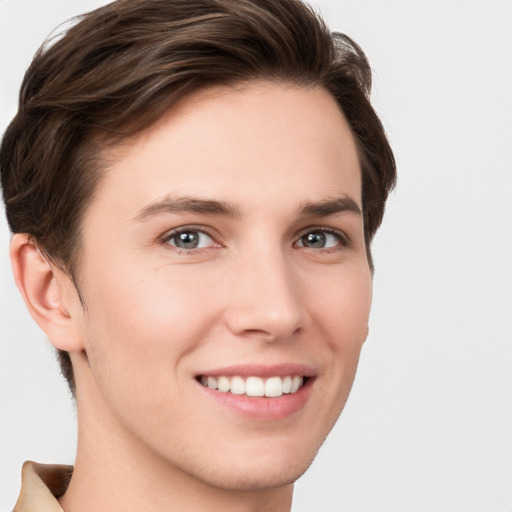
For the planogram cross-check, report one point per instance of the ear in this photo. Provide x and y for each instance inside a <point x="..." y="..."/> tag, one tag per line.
<point x="49" y="294"/>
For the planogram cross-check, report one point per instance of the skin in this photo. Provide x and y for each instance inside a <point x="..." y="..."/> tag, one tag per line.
<point x="253" y="293"/>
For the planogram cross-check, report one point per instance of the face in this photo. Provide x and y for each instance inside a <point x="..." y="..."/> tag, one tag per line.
<point x="224" y="259"/>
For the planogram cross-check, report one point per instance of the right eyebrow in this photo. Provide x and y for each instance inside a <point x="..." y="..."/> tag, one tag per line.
<point x="332" y="206"/>
<point x="182" y="204"/>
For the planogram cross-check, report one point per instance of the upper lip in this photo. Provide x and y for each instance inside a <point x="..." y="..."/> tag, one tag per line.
<point x="258" y="370"/>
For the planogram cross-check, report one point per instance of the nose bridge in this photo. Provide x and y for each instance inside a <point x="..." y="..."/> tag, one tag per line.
<point x="266" y="298"/>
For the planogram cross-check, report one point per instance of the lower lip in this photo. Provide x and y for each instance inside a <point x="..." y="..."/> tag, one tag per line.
<point x="263" y="408"/>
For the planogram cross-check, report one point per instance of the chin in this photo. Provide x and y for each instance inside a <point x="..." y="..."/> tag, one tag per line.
<point x="258" y="479"/>
<point x="267" y="471"/>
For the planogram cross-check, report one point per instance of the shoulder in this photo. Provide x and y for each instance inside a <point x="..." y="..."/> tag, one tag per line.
<point x="41" y="485"/>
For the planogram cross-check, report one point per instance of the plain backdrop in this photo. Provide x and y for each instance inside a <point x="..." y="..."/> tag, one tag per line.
<point x="428" y="426"/>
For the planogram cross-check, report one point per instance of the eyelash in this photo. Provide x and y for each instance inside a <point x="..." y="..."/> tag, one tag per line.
<point x="342" y="238"/>
<point x="189" y="229"/>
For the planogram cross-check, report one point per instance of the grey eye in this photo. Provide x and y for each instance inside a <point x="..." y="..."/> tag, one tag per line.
<point x="314" y="240"/>
<point x="190" y="240"/>
<point x="319" y="240"/>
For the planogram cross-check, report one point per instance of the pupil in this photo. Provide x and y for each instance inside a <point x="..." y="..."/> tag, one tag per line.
<point x="316" y="240"/>
<point x="188" y="240"/>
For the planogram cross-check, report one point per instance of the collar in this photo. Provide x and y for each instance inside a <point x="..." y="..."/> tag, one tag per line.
<point x="41" y="485"/>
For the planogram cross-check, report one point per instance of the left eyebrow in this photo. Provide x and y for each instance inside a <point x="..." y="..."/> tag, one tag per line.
<point x="183" y="204"/>
<point x="330" y="207"/>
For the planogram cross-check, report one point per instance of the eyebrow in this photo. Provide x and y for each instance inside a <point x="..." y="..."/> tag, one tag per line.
<point x="330" y="207"/>
<point x="185" y="204"/>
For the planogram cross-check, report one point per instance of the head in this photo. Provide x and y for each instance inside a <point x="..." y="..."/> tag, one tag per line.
<point x="164" y="82"/>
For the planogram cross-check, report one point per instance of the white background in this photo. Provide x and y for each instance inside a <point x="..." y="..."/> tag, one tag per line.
<point x="428" y="426"/>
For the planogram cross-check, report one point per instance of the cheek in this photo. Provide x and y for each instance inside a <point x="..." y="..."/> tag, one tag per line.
<point x="343" y="309"/>
<point x="342" y="317"/>
<point x="144" y="325"/>
<point x="139" y="333"/>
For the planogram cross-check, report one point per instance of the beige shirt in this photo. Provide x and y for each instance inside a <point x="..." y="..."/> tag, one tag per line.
<point x="41" y="485"/>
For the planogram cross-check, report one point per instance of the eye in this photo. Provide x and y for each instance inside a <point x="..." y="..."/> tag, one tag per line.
<point x="322" y="239"/>
<point x="190" y="239"/>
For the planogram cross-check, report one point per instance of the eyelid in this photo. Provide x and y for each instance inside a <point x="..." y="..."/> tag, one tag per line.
<point x="341" y="235"/>
<point x="343" y="238"/>
<point x="186" y="228"/>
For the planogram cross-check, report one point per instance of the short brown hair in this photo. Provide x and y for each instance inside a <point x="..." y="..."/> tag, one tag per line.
<point x="122" y="66"/>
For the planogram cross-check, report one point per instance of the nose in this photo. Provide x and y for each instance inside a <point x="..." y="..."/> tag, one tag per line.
<point x="265" y="298"/>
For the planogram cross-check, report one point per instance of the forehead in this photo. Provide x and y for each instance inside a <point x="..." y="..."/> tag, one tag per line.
<point x="239" y="144"/>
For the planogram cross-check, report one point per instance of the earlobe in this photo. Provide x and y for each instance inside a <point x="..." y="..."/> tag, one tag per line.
<point x="45" y="291"/>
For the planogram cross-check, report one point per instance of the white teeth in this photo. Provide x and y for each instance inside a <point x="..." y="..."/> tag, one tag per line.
<point x="274" y="386"/>
<point x="238" y="386"/>
<point x="296" y="383"/>
<point x="224" y="384"/>
<point x="254" y="386"/>
<point x="287" y="384"/>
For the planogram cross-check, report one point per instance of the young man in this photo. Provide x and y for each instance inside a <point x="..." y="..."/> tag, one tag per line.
<point x="193" y="187"/>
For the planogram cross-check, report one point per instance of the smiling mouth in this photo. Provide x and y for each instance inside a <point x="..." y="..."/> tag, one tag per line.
<point x="270" y="387"/>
